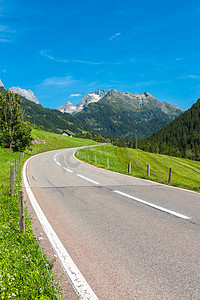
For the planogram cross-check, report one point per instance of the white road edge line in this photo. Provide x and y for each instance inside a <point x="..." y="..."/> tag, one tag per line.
<point x="87" y="179"/>
<point x="77" y="279"/>
<point x="171" y="212"/>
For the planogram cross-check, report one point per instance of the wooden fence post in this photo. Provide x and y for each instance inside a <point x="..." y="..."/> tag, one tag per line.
<point x="148" y="170"/>
<point x="21" y="211"/>
<point x="12" y="179"/>
<point x="108" y="163"/>
<point x="170" y="175"/>
<point x="129" y="168"/>
<point x="15" y="164"/>
<point x="87" y="157"/>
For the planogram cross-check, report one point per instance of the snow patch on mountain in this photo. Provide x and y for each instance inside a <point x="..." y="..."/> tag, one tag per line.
<point x="67" y="108"/>
<point x="86" y="100"/>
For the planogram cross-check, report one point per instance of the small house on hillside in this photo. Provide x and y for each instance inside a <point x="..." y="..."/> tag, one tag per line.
<point x="65" y="133"/>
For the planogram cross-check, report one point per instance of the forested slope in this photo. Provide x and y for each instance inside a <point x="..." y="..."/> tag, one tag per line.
<point x="180" y="137"/>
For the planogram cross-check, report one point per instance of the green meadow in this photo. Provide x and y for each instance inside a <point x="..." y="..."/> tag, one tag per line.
<point x="185" y="173"/>
<point x="57" y="141"/>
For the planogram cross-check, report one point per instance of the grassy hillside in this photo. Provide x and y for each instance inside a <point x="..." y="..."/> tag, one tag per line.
<point x="57" y="141"/>
<point x="51" y="119"/>
<point x="185" y="173"/>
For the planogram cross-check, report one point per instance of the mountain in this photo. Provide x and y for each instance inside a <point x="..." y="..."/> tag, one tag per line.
<point x="87" y="99"/>
<point x="2" y="88"/>
<point x="67" y="108"/>
<point x="180" y="137"/>
<point x="1" y="84"/>
<point x="28" y="94"/>
<point x="126" y="115"/>
<point x="51" y="119"/>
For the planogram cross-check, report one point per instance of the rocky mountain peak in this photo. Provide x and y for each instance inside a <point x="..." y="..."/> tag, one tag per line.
<point x="68" y="107"/>
<point x="1" y="84"/>
<point x="148" y="95"/>
<point x="28" y="94"/>
<point x="86" y="100"/>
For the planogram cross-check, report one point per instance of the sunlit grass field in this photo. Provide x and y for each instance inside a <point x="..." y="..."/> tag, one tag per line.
<point x="185" y="173"/>
<point x="57" y="141"/>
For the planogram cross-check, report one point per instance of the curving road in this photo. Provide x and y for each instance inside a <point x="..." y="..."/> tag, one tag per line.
<point x="130" y="238"/>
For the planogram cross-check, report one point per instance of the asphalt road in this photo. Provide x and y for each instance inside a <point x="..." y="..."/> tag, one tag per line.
<point x="130" y="238"/>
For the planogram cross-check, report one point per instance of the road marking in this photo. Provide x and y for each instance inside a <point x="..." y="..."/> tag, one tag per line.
<point x="87" y="179"/>
<point x="77" y="279"/>
<point x="58" y="163"/>
<point x="171" y="212"/>
<point x="68" y="170"/>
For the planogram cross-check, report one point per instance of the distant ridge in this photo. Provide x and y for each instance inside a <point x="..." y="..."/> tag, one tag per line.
<point x="126" y="115"/>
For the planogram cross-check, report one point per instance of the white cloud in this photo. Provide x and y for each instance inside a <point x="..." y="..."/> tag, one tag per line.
<point x="58" y="81"/>
<point x="114" y="36"/>
<point x="75" y="95"/>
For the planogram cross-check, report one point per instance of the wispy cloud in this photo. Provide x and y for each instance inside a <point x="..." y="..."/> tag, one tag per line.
<point x="189" y="76"/>
<point x="58" y="81"/>
<point x="87" y="62"/>
<point x="179" y="59"/>
<point x="5" y="41"/>
<point x="75" y="95"/>
<point x="45" y="54"/>
<point x="148" y="83"/>
<point x="114" y="36"/>
<point x="6" y="34"/>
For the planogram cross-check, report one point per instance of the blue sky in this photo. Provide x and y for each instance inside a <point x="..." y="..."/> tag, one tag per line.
<point x="65" y="48"/>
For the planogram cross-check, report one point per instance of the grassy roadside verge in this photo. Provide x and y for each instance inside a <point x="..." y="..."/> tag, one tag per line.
<point x="185" y="173"/>
<point x="23" y="273"/>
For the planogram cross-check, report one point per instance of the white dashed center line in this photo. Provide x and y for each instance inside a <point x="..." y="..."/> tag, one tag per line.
<point x="68" y="170"/>
<point x="87" y="179"/>
<point x="171" y="212"/>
